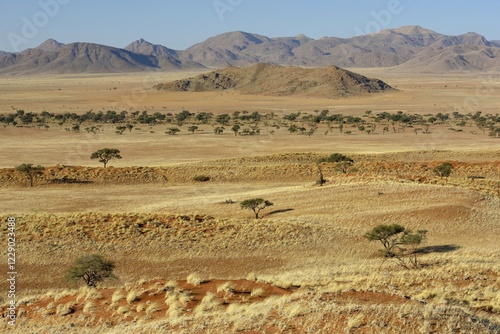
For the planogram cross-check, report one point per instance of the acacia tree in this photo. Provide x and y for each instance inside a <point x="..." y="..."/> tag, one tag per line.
<point x="92" y="269"/>
<point x="399" y="243"/>
<point x="193" y="129"/>
<point x="388" y="235"/>
<point x="219" y="130"/>
<point x="30" y="170"/>
<point x="172" y="131"/>
<point x="336" y="157"/>
<point x="235" y="129"/>
<point x="443" y="170"/>
<point x="256" y="205"/>
<point x="106" y="154"/>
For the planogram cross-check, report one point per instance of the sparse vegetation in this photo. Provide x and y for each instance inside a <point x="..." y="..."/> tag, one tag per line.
<point x="132" y="297"/>
<point x="172" y="131"/>
<point x="31" y="171"/>
<point x="395" y="238"/>
<point x="444" y="169"/>
<point x="256" y="205"/>
<point x="312" y="269"/>
<point x="106" y="154"/>
<point x="92" y="269"/>
<point x="195" y="279"/>
<point x="336" y="157"/>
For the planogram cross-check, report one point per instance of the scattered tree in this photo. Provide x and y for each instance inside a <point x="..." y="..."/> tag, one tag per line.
<point x="235" y="129"/>
<point x="105" y="155"/>
<point x="172" y="131"/>
<point x="443" y="170"/>
<point x="292" y="129"/>
<point x="256" y="205"/>
<point x="92" y="269"/>
<point x="336" y="157"/>
<point x="219" y="130"/>
<point x="394" y="238"/>
<point x="223" y="119"/>
<point x="387" y="235"/>
<point x="193" y="129"/>
<point x="413" y="240"/>
<point x="30" y="170"/>
<point x="120" y="129"/>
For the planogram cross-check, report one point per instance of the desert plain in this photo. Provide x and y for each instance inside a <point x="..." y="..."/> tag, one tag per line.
<point x="190" y="260"/>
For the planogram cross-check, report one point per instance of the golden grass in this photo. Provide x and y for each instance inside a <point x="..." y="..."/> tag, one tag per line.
<point x="117" y="296"/>
<point x="310" y="242"/>
<point x="195" y="279"/>
<point x="132" y="297"/>
<point x="153" y="307"/>
<point x="209" y="303"/>
<point x="258" y="292"/>
<point x="65" y="309"/>
<point x="123" y="309"/>
<point x="89" y="307"/>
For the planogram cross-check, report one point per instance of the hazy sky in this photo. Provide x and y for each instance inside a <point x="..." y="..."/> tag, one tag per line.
<point x="179" y="24"/>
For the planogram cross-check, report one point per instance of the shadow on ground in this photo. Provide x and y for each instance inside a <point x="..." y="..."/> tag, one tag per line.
<point x="278" y="211"/>
<point x="438" y="249"/>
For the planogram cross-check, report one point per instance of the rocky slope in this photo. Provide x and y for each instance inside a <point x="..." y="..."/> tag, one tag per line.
<point x="270" y="79"/>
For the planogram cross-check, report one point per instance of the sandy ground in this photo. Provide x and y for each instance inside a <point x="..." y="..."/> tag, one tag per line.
<point x="142" y="148"/>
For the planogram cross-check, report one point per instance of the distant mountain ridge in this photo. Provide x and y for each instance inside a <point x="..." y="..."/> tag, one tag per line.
<point x="409" y="48"/>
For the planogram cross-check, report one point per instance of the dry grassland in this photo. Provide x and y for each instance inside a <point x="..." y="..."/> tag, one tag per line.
<point x="190" y="260"/>
<point x="313" y="240"/>
<point x="79" y="93"/>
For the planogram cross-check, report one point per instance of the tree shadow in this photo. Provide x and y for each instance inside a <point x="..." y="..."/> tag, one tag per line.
<point x="278" y="211"/>
<point x="66" y="180"/>
<point x="438" y="249"/>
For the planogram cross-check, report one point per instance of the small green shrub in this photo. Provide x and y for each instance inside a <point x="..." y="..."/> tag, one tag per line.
<point x="443" y="170"/>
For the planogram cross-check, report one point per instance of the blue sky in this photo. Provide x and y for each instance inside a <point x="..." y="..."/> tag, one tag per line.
<point x="179" y="24"/>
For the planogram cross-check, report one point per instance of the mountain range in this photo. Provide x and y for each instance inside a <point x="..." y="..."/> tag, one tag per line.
<point x="411" y="48"/>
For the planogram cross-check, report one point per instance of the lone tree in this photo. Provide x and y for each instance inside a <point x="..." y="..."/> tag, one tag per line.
<point x="443" y="170"/>
<point x="256" y="205"/>
<point x="92" y="269"/>
<point x="30" y="170"/>
<point x="336" y="157"/>
<point x="106" y="154"/>
<point x="399" y="243"/>
<point x="388" y="235"/>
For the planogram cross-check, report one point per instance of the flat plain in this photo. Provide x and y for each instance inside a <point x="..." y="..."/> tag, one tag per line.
<point x="307" y="252"/>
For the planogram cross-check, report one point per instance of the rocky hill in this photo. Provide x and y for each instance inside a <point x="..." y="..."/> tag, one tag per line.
<point x="271" y="79"/>
<point x="391" y="47"/>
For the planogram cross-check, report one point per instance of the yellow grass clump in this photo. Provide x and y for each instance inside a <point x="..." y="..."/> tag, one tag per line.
<point x="132" y="297"/>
